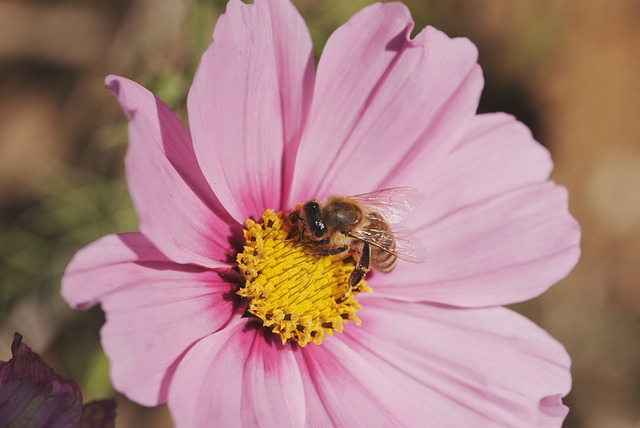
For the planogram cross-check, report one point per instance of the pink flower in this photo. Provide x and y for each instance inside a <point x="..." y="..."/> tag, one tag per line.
<point x="267" y="130"/>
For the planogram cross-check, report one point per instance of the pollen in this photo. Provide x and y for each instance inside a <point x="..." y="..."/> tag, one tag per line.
<point x="296" y="293"/>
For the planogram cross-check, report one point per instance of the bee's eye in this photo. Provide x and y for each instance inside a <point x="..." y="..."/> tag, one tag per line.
<point x="319" y="229"/>
<point x="311" y="210"/>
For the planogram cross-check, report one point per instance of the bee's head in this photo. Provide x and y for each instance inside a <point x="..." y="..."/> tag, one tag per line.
<point x="313" y="219"/>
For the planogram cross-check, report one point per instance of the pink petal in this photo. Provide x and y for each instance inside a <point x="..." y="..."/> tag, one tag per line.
<point x="504" y="250"/>
<point x="496" y="155"/>
<point x="381" y="99"/>
<point x="104" y="266"/>
<point x="155" y="309"/>
<point x="418" y="364"/>
<point x="237" y="377"/>
<point x="342" y="389"/>
<point x="178" y="211"/>
<point x="249" y="98"/>
<point x="296" y="74"/>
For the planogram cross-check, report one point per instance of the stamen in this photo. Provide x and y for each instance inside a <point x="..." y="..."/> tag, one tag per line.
<point x="295" y="292"/>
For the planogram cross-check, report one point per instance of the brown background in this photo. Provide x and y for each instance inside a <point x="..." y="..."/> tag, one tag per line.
<point x="569" y="69"/>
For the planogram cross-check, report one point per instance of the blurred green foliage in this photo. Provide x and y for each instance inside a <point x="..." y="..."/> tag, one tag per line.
<point x="74" y="208"/>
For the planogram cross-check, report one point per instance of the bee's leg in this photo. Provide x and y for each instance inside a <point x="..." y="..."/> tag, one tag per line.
<point x="362" y="265"/>
<point x="331" y="252"/>
<point x="298" y="229"/>
<point x="293" y="216"/>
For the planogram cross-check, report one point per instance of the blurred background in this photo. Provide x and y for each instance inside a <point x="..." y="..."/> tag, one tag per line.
<point x="567" y="68"/>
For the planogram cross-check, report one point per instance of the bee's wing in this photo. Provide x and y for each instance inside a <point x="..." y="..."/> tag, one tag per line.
<point x="393" y="203"/>
<point x="407" y="247"/>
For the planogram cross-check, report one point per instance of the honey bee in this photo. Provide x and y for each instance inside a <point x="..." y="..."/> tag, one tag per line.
<point x="360" y="226"/>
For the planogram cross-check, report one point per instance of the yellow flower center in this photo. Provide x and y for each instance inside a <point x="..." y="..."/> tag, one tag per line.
<point x="295" y="292"/>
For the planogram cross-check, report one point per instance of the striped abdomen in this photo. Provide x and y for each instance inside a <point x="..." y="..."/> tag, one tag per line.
<point x="383" y="258"/>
